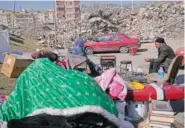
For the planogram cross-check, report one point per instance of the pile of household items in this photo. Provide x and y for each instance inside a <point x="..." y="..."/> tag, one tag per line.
<point x="73" y="92"/>
<point x="161" y="114"/>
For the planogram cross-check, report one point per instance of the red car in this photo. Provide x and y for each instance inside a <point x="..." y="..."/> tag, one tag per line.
<point x="112" y="42"/>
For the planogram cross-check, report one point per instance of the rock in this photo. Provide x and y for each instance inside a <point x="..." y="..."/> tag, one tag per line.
<point x="93" y="15"/>
<point x="104" y="15"/>
<point x="123" y="25"/>
<point x="162" y="30"/>
<point x="173" y="11"/>
<point x="142" y="10"/>
<point x="102" y="25"/>
<point x="181" y="11"/>
<point x="94" y="19"/>
<point x="165" y="7"/>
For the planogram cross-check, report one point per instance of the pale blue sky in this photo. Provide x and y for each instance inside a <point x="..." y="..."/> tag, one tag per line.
<point x="40" y="5"/>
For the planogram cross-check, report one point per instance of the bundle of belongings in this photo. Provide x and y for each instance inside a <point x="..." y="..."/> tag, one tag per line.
<point x="71" y="61"/>
<point x="77" y="58"/>
<point x="82" y="63"/>
<point x="113" y="84"/>
<point x="45" y="54"/>
<point x="47" y="96"/>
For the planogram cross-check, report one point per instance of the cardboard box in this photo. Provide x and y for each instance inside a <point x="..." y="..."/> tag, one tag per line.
<point x="14" y="66"/>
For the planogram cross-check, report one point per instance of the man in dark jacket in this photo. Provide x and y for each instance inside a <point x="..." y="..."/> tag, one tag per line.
<point x="165" y="56"/>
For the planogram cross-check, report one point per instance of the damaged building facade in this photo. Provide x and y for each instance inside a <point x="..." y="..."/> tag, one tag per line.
<point x="67" y="10"/>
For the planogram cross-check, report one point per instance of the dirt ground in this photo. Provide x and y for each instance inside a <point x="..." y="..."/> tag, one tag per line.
<point x="7" y="84"/>
<point x="146" y="50"/>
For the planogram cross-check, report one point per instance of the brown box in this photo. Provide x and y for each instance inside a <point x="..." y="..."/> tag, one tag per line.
<point x="13" y="66"/>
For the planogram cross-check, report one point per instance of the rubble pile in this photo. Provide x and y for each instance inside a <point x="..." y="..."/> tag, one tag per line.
<point x="147" y="21"/>
<point x="166" y="20"/>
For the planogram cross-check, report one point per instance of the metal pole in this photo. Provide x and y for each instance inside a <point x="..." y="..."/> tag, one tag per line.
<point x="55" y="22"/>
<point x="13" y="15"/>
<point x="80" y="18"/>
<point x="64" y="34"/>
<point x="122" y="6"/>
<point x="132" y="5"/>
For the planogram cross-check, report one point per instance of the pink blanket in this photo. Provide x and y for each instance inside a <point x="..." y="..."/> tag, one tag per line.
<point x="111" y="81"/>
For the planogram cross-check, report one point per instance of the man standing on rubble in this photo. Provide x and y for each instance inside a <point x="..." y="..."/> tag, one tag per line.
<point x="165" y="56"/>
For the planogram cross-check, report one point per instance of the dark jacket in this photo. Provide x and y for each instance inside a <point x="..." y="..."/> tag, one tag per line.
<point x="165" y="56"/>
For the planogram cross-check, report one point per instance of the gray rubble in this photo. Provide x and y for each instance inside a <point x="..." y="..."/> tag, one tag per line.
<point x="165" y="19"/>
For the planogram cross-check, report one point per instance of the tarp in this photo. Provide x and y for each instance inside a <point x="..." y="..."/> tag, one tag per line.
<point x="4" y="43"/>
<point x="47" y="88"/>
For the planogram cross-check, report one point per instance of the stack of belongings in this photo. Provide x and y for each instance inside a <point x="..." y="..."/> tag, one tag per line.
<point x="161" y="114"/>
<point x="45" y="54"/>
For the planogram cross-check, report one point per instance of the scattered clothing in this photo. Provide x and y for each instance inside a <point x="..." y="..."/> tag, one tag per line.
<point x="62" y="63"/>
<point x="74" y="60"/>
<point x="2" y="98"/>
<point x="45" y="54"/>
<point x="86" y="120"/>
<point x="113" y="84"/>
<point x="45" y="88"/>
<point x="95" y="70"/>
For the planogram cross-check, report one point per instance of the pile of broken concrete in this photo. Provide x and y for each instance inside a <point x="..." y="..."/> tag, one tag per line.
<point x="158" y="19"/>
<point x="146" y="21"/>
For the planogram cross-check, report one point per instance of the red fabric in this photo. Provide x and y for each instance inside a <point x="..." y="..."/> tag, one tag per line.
<point x="35" y="55"/>
<point x="115" y="89"/>
<point x="172" y="92"/>
<point x="2" y="99"/>
<point x="62" y="64"/>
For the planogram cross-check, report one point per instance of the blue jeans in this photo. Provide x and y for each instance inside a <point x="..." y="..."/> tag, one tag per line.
<point x="78" y="51"/>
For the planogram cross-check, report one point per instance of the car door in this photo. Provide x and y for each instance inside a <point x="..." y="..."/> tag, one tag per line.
<point x="115" y="42"/>
<point x="102" y="43"/>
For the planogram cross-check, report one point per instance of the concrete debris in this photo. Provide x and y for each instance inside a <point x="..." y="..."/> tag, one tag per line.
<point x="158" y="19"/>
<point x="165" y="19"/>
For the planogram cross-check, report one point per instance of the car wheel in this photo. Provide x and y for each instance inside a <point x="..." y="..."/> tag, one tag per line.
<point x="88" y="51"/>
<point x="124" y="49"/>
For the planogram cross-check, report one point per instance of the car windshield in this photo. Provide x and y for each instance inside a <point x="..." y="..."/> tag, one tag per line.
<point x="126" y="35"/>
<point x="115" y="37"/>
<point x="103" y="38"/>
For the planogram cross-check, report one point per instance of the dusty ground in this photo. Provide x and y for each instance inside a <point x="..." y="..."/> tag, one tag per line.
<point x="147" y="50"/>
<point x="5" y="82"/>
<point x="28" y="46"/>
